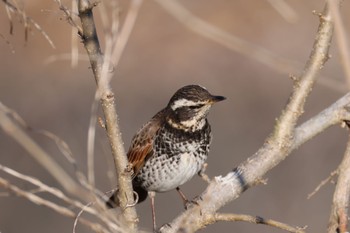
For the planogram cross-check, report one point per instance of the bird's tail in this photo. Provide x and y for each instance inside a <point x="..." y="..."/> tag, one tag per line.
<point x="141" y="193"/>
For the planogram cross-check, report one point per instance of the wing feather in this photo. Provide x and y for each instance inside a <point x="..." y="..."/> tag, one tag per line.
<point x="141" y="148"/>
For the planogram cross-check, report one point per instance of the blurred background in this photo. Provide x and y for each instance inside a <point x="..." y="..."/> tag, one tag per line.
<point x="161" y="56"/>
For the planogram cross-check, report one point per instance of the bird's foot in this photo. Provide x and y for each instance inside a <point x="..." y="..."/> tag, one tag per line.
<point x="190" y="203"/>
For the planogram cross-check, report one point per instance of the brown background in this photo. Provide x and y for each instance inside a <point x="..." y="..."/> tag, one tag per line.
<point x="161" y="56"/>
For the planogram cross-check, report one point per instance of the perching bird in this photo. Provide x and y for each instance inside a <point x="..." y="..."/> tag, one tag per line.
<point x="173" y="146"/>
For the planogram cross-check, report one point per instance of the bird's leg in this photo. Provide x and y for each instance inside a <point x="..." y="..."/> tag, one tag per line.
<point x="151" y="195"/>
<point x="183" y="197"/>
<point x="202" y="174"/>
<point x="186" y="202"/>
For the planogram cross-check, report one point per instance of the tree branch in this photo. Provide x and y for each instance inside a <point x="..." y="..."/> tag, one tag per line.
<point x="323" y="182"/>
<point x="45" y="160"/>
<point x="338" y="221"/>
<point x="237" y="44"/>
<point x="252" y="219"/>
<point x="59" y="209"/>
<point x="101" y="68"/>
<point x="342" y="40"/>
<point x="276" y="148"/>
<point x="105" y="218"/>
<point x="11" y="8"/>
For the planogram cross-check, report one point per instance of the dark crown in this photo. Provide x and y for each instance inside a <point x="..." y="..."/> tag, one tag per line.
<point x="191" y="92"/>
<point x="189" y="106"/>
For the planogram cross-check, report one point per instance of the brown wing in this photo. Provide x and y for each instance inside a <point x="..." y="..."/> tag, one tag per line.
<point x="141" y="148"/>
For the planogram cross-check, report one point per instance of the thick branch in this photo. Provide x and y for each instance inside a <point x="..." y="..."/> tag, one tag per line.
<point x="276" y="148"/>
<point x="338" y="221"/>
<point x="303" y="84"/>
<point x="225" y="189"/>
<point x="332" y="115"/>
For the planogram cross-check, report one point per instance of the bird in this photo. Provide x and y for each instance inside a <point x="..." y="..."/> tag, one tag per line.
<point x="172" y="147"/>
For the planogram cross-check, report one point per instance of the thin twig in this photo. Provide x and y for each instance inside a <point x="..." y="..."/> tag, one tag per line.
<point x="237" y="44"/>
<point x="61" y="144"/>
<point x="40" y="201"/>
<point x="69" y="15"/>
<point x="285" y="11"/>
<point x="91" y="140"/>
<point x="46" y="161"/>
<point x="9" y="15"/>
<point x="224" y="38"/>
<point x="342" y="40"/>
<point x="60" y="195"/>
<point x="74" y="38"/>
<point x="26" y="19"/>
<point x="79" y="215"/>
<point x="252" y="219"/>
<point x="43" y="187"/>
<point x="323" y="182"/>
<point x="125" y="31"/>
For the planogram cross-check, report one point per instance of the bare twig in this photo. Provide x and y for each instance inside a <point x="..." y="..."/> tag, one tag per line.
<point x="61" y="144"/>
<point x="323" y="182"/>
<point x="125" y="32"/>
<point x="334" y="114"/>
<point x="91" y="141"/>
<point x="285" y="11"/>
<point x="9" y="121"/>
<point x="101" y="68"/>
<point x="234" y="43"/>
<point x="40" y="201"/>
<point x="338" y="221"/>
<point x="19" y="135"/>
<point x="276" y="148"/>
<point x="342" y="40"/>
<point x="69" y="15"/>
<point x="79" y="215"/>
<point x="11" y="8"/>
<point x="8" y="12"/>
<point x="74" y="39"/>
<point x="224" y="38"/>
<point x="44" y="188"/>
<point x="59" y="194"/>
<point x="252" y="219"/>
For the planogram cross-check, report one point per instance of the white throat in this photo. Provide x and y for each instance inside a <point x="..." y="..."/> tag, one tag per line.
<point x="189" y="125"/>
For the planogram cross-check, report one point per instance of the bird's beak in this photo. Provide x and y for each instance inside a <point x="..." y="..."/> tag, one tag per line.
<point x="217" y="98"/>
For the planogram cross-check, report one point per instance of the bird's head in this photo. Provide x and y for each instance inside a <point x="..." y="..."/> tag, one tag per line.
<point x="189" y="107"/>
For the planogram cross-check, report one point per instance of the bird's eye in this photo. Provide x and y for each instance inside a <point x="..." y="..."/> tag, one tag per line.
<point x="196" y="106"/>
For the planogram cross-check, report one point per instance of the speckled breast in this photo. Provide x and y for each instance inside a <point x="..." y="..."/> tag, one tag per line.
<point x="178" y="156"/>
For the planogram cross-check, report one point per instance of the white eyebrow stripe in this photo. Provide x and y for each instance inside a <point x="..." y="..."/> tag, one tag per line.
<point x="184" y="102"/>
